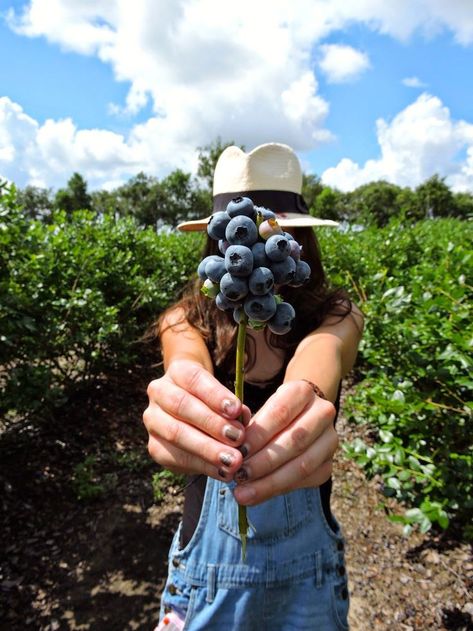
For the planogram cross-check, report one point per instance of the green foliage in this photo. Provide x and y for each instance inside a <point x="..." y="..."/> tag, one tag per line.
<point x="86" y="483"/>
<point x="74" y="196"/>
<point x="414" y="284"/>
<point x="76" y="296"/>
<point x="162" y="480"/>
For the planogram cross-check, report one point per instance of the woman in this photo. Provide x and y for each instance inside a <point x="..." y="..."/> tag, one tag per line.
<point x="273" y="454"/>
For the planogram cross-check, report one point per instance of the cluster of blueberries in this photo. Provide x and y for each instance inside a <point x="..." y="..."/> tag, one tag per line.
<point x="256" y="256"/>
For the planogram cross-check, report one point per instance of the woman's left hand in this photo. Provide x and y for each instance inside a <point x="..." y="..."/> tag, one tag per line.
<point x="290" y="444"/>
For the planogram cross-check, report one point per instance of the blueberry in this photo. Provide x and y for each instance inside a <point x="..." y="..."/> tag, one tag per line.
<point x="295" y="250"/>
<point x="217" y="224"/>
<point x="284" y="271"/>
<point x="283" y="319"/>
<point x="239" y="260"/>
<point x="302" y="273"/>
<point x="261" y="281"/>
<point x="241" y="231"/>
<point x="260" y="308"/>
<point x="223" y="245"/>
<point x="277" y="247"/>
<point x="268" y="228"/>
<point x="259" y="255"/>
<point x="233" y="287"/>
<point x="203" y="263"/>
<point x="267" y="214"/>
<point x="224" y="303"/>
<point x="238" y="313"/>
<point x="288" y="236"/>
<point x="240" y="206"/>
<point x="215" y="269"/>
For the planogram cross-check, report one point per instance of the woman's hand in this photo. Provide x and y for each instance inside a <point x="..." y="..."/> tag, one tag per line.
<point x="192" y="422"/>
<point x="289" y="443"/>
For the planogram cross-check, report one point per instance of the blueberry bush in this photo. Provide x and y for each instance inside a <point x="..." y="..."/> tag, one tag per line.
<point x="414" y="284"/>
<point x="76" y="296"/>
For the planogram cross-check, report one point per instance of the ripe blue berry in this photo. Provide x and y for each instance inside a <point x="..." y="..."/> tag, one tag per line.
<point x="241" y="231"/>
<point x="261" y="281"/>
<point x="284" y="271"/>
<point x="233" y="287"/>
<point x="215" y="269"/>
<point x="217" y="224"/>
<point x="259" y="255"/>
<point x="302" y="274"/>
<point x="277" y="247"/>
<point x="239" y="260"/>
<point x="224" y="303"/>
<point x="240" y="206"/>
<point x="203" y="263"/>
<point x="260" y="308"/>
<point x="283" y="319"/>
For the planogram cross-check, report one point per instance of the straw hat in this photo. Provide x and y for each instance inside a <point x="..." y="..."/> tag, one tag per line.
<point x="271" y="176"/>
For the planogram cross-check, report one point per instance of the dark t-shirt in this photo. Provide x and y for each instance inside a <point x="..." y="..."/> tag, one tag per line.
<point x="255" y="396"/>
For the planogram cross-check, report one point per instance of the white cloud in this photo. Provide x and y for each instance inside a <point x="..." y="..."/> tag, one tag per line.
<point x="420" y="141"/>
<point x="413" y="82"/>
<point x="342" y="63"/>
<point x="241" y="70"/>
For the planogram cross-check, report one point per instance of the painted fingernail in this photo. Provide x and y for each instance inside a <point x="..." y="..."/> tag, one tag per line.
<point x="232" y="433"/>
<point x="244" y="494"/>
<point x="243" y="449"/>
<point x="222" y="473"/>
<point x="230" y="407"/>
<point x="226" y="459"/>
<point x="241" y="475"/>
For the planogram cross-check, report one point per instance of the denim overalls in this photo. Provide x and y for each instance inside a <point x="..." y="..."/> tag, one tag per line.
<point x="293" y="579"/>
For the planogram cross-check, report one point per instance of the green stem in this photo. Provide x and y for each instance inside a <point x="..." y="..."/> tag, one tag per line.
<point x="239" y="383"/>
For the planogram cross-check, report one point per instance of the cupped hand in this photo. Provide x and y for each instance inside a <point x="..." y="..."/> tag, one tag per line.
<point x="289" y="444"/>
<point x="192" y="422"/>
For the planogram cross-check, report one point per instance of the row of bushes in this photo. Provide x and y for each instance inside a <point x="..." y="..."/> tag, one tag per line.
<point x="77" y="294"/>
<point x="414" y="284"/>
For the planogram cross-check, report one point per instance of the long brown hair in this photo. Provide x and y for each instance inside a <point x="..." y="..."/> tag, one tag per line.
<point x="313" y="303"/>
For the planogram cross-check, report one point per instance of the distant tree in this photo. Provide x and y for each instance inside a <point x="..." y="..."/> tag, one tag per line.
<point x="311" y="187"/>
<point x="374" y="203"/>
<point x="36" y="202"/>
<point x="435" y="199"/>
<point x="207" y="159"/>
<point x="74" y="196"/>
<point x="184" y="198"/>
<point x="463" y="204"/>
<point x="327" y="205"/>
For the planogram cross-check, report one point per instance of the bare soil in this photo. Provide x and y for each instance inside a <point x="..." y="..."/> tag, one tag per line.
<point x="100" y="563"/>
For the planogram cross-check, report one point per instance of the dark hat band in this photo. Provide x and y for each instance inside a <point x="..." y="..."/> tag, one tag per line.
<point x="278" y="201"/>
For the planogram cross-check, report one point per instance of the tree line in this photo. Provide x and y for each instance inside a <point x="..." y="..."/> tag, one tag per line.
<point x="180" y="196"/>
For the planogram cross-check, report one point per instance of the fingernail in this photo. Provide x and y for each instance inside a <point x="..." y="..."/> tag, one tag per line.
<point x="226" y="459"/>
<point x="222" y="473"/>
<point x="230" y="407"/>
<point x="232" y="433"/>
<point x="244" y="494"/>
<point x="241" y="475"/>
<point x="243" y="449"/>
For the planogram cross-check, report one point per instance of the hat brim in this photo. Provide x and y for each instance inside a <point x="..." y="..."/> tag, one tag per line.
<point x="285" y="220"/>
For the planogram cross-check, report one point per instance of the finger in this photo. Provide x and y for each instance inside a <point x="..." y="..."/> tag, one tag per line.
<point x="179" y="404"/>
<point x="192" y="441"/>
<point x="291" y="442"/>
<point x="179" y="461"/>
<point x="297" y="473"/>
<point x="278" y="412"/>
<point x="199" y="382"/>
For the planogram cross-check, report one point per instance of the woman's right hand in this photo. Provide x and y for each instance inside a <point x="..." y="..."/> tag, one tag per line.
<point x="192" y="422"/>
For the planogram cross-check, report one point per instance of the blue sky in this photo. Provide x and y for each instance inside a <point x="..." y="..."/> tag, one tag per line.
<point x="109" y="92"/>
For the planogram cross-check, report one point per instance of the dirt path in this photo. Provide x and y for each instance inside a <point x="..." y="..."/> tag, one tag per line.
<point x="99" y="565"/>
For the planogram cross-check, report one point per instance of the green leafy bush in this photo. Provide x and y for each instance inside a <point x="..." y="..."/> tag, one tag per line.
<point x="414" y="284"/>
<point x="76" y="296"/>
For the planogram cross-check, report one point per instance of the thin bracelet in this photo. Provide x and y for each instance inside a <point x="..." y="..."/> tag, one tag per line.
<point x="316" y="389"/>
